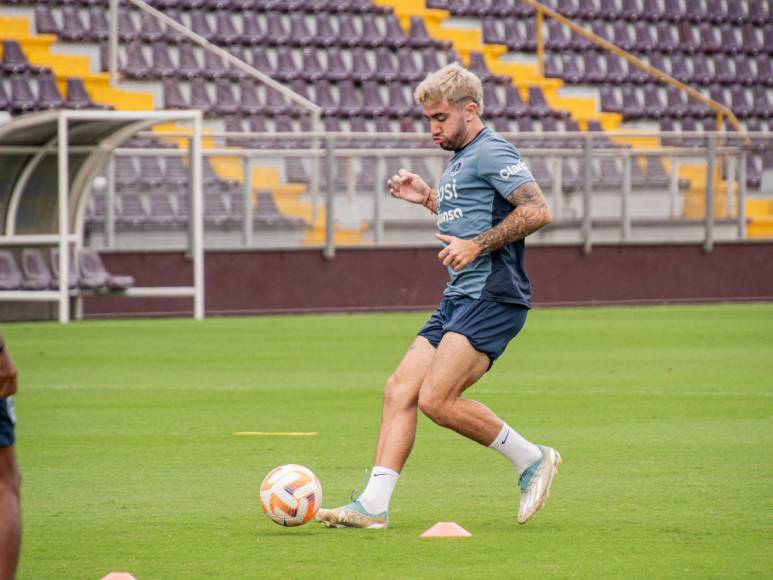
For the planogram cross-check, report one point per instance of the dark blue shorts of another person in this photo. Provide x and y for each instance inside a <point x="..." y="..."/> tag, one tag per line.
<point x="488" y="325"/>
<point x="7" y="420"/>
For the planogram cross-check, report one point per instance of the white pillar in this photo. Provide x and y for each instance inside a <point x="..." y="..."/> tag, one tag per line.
<point x="197" y="215"/>
<point x="64" y="250"/>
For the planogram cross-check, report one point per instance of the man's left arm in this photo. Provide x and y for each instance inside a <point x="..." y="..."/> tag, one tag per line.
<point x="530" y="213"/>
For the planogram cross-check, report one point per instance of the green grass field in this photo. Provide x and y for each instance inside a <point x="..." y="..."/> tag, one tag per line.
<point x="662" y="415"/>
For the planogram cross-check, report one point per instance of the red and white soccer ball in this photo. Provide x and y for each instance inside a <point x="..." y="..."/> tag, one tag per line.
<point x="290" y="495"/>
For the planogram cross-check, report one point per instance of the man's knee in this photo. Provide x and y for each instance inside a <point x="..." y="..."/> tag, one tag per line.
<point x="398" y="393"/>
<point x="435" y="408"/>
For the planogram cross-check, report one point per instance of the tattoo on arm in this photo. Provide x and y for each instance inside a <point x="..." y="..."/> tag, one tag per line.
<point x="530" y="213"/>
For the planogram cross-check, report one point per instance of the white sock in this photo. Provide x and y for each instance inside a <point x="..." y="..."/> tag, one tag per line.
<point x="375" y="498"/>
<point x="518" y="450"/>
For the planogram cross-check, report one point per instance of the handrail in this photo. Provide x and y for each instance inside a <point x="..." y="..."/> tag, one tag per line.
<point x="204" y="43"/>
<point x="541" y="9"/>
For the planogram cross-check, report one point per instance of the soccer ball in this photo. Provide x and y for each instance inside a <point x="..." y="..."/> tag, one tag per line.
<point x="290" y="495"/>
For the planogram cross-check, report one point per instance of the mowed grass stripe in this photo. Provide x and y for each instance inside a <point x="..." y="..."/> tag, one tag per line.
<point x="662" y="414"/>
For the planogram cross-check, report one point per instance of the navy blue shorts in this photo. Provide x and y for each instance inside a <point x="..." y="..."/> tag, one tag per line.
<point x="7" y="421"/>
<point x="488" y="325"/>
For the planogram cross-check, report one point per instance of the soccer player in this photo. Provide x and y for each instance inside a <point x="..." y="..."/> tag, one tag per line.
<point x="487" y="202"/>
<point x="10" y="512"/>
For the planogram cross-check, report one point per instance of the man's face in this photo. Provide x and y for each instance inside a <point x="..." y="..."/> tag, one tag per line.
<point x="448" y="123"/>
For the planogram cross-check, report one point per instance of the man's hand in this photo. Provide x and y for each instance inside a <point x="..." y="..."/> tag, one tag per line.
<point x="408" y="186"/>
<point x="458" y="253"/>
<point x="8" y="375"/>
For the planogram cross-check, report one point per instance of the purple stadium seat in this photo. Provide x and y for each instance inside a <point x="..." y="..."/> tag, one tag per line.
<point x="175" y="173"/>
<point x="45" y="23"/>
<point x="632" y="107"/>
<point x="349" y="102"/>
<point x="225" y="31"/>
<point x="136" y="65"/>
<point x="188" y="65"/>
<point x="324" y="98"/>
<point x="72" y="276"/>
<point x="215" y="67"/>
<point x="493" y="105"/>
<point x="252" y="33"/>
<point x="622" y="37"/>
<point x="653" y="103"/>
<point x="764" y="70"/>
<point x="676" y="103"/>
<point x="151" y="29"/>
<point x="14" y="59"/>
<point x="553" y="67"/>
<point x="99" y="28"/>
<point x="762" y="102"/>
<point x="538" y="106"/>
<point x="667" y="41"/>
<point x="757" y="13"/>
<point x="571" y="72"/>
<point x="725" y="71"/>
<point x="49" y="96"/>
<point x="173" y="97"/>
<point x="286" y="68"/>
<point x="336" y="70"/>
<point x="688" y="40"/>
<point x="10" y="275"/>
<point x="710" y="41"/>
<point x="200" y="25"/>
<point x="22" y="98"/>
<point x="348" y="35"/>
<point x="95" y="275"/>
<point x="407" y="67"/>
<point x="200" y="98"/>
<point x="491" y="33"/>
<point x="673" y="11"/>
<point x="150" y="173"/>
<point x="225" y="101"/>
<point x="419" y="37"/>
<point x="35" y="270"/>
<point x="399" y="103"/>
<point x="740" y="103"/>
<point x="276" y="34"/>
<point x="162" y="63"/>
<point x="78" y="98"/>
<point x="126" y="28"/>
<point x="557" y="38"/>
<point x="515" y="106"/>
<point x="519" y="35"/>
<point x="299" y="32"/>
<point x="729" y="40"/>
<point x="715" y="12"/>
<point x="616" y="71"/>
<point x="750" y="40"/>
<point x="610" y="10"/>
<point x="526" y="125"/>
<point x="679" y="68"/>
<point x="373" y="103"/>
<point x="656" y="175"/>
<point x="610" y="101"/>
<point x="645" y="39"/>
<point x="386" y="67"/>
<point x="73" y="28"/>
<point x="701" y="74"/>
<point x="325" y="35"/>
<point x="361" y="70"/>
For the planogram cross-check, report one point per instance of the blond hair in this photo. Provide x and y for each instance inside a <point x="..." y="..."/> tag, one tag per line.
<point x="452" y="82"/>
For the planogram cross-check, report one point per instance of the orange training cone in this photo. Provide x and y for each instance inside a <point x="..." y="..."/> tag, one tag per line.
<point x="446" y="530"/>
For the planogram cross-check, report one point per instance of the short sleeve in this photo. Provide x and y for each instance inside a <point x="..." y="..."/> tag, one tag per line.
<point x="501" y="166"/>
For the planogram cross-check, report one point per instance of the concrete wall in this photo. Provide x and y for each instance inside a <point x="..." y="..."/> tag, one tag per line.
<point x="252" y="282"/>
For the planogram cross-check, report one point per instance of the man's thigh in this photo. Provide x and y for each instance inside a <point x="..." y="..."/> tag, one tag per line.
<point x="413" y="368"/>
<point x="456" y="366"/>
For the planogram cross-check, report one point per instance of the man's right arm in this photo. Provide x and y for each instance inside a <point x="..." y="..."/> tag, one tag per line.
<point x="8" y="372"/>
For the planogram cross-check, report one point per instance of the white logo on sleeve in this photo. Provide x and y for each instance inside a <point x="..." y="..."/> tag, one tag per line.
<point x="512" y="170"/>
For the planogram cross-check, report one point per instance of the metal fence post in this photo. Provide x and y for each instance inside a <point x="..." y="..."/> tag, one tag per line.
<point x="247" y="217"/>
<point x="558" y="199"/>
<point x="329" y="251"/>
<point x="587" y="205"/>
<point x="110" y="204"/>
<point x="626" y="205"/>
<point x="378" y="211"/>
<point x="673" y="185"/>
<point x="730" y="181"/>
<point x="316" y="126"/>
<point x="708" y="244"/>
<point x="742" y="193"/>
<point x="113" y="44"/>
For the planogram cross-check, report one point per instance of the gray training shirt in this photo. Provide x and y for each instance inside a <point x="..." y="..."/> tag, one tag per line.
<point x="472" y="199"/>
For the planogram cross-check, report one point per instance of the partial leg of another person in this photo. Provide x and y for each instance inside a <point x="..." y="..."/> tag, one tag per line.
<point x="10" y="512"/>
<point x="455" y="367"/>
<point x="395" y="441"/>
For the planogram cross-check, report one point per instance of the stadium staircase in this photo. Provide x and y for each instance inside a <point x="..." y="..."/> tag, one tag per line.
<point x="478" y="32"/>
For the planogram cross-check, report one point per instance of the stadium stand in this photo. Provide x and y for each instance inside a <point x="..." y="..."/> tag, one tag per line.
<point x="358" y="60"/>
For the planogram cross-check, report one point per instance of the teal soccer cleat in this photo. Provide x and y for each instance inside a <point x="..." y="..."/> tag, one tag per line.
<point x="535" y="483"/>
<point x="352" y="515"/>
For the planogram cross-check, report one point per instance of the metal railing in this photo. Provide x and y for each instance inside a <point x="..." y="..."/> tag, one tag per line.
<point x="586" y="152"/>
<point x="721" y="110"/>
